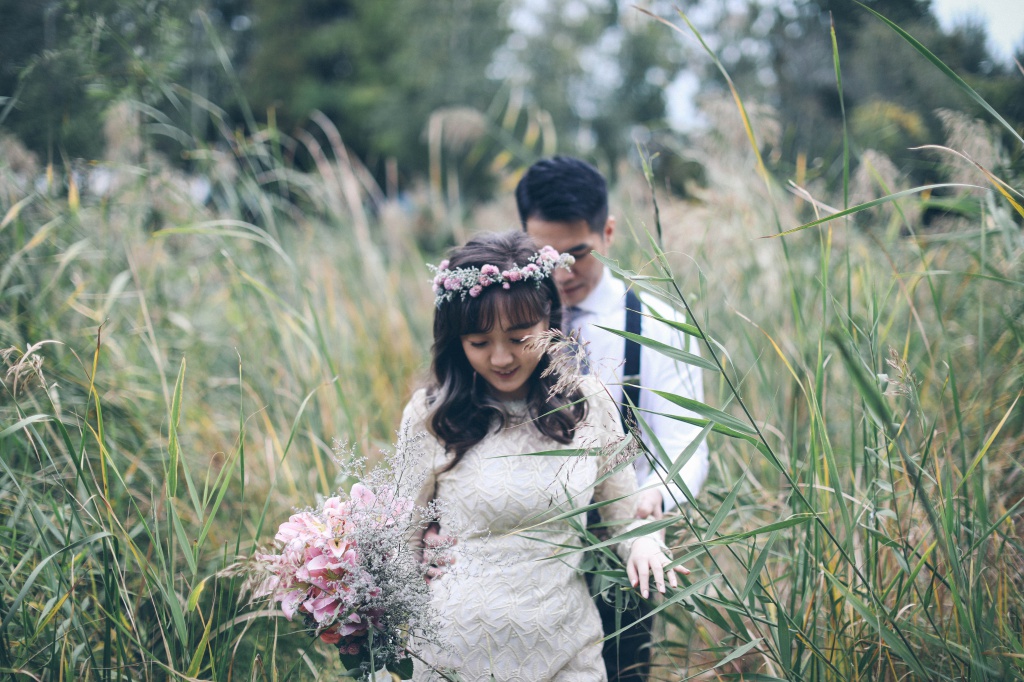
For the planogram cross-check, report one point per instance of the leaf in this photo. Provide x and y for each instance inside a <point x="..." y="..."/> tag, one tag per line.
<point x="723" y="509"/>
<point x="402" y="668"/>
<point x="961" y="83"/>
<point x="755" y="569"/>
<point x="664" y="349"/>
<point x="675" y="598"/>
<point x="737" y="652"/>
<point x="707" y="411"/>
<point x="793" y="520"/>
<point x="888" y="636"/>
<point x="686" y="454"/>
<point x="173" y="449"/>
<point x="197" y="657"/>
<point x="193" y="597"/>
<point x="22" y="423"/>
<point x="38" y="569"/>
<point x="869" y="204"/>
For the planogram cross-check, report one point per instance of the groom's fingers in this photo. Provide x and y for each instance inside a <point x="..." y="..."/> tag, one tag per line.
<point x="659" y="574"/>
<point x="672" y="579"/>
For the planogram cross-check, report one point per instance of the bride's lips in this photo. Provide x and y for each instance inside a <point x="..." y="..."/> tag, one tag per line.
<point x="505" y="374"/>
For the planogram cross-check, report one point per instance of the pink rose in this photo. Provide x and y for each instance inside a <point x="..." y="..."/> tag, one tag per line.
<point x="489" y="270"/>
<point x="475" y="291"/>
<point x="443" y="265"/>
<point x="548" y="253"/>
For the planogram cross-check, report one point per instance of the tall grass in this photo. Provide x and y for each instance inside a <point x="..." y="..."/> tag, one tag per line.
<point x="179" y="367"/>
<point x="176" y="374"/>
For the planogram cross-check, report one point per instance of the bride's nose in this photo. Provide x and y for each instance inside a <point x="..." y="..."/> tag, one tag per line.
<point x="502" y="355"/>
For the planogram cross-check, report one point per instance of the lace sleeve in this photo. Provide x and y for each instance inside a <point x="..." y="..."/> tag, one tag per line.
<point x="421" y="456"/>
<point x="604" y="416"/>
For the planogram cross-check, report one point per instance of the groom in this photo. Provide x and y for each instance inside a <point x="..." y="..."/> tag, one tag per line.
<point x="563" y="202"/>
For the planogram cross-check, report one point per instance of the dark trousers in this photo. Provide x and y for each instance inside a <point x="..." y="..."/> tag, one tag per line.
<point x="626" y="657"/>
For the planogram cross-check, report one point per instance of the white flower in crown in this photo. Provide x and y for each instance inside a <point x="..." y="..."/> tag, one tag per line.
<point x="472" y="281"/>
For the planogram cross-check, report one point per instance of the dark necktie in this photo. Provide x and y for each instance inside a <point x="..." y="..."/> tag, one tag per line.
<point x="570" y="324"/>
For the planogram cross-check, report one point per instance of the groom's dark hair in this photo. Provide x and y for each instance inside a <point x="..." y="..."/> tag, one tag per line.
<point x="563" y="189"/>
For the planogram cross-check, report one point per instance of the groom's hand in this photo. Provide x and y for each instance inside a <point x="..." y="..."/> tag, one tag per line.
<point x="649" y="504"/>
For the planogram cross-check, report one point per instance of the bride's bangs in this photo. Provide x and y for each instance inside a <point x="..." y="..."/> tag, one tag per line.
<point x="522" y="305"/>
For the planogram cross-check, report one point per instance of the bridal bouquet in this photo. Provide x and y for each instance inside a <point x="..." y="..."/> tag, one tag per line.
<point x="347" y="570"/>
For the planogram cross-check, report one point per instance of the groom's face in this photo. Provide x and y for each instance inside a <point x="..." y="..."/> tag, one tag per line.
<point x="575" y="238"/>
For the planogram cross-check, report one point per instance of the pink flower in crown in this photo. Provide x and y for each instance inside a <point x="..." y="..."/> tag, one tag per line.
<point x="489" y="269"/>
<point x="483" y="281"/>
<point x="443" y="265"/>
<point x="530" y="269"/>
<point x="451" y="283"/>
<point x="505" y="285"/>
<point x="513" y="275"/>
<point x="475" y="291"/>
<point x="548" y="253"/>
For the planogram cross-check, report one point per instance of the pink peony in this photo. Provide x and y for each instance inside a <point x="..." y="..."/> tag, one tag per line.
<point x="295" y="530"/>
<point x="489" y="270"/>
<point x="290" y="602"/>
<point x="323" y="608"/>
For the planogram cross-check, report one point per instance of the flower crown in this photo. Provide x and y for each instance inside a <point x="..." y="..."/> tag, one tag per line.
<point x="472" y="281"/>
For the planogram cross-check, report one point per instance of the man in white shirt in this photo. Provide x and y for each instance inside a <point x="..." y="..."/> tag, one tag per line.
<point x="563" y="202"/>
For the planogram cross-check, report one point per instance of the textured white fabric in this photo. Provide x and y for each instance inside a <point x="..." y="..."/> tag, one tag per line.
<point x="506" y="608"/>
<point x="606" y="306"/>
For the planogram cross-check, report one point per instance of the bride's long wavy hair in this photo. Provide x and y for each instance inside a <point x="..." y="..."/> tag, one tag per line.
<point x="462" y="410"/>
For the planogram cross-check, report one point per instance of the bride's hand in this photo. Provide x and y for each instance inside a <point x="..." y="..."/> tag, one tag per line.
<point x="646" y="557"/>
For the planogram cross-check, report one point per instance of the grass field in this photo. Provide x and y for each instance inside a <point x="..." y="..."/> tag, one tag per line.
<point x="178" y="368"/>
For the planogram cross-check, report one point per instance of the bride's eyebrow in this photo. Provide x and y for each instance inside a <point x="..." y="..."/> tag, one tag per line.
<point x="520" y="327"/>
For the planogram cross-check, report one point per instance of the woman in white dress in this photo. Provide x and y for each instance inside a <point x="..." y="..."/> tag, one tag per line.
<point x="507" y="609"/>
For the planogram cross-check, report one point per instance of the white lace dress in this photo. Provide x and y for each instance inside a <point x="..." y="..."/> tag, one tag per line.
<point x="506" y="608"/>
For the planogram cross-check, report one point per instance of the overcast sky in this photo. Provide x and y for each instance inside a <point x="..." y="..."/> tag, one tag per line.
<point x="1004" y="19"/>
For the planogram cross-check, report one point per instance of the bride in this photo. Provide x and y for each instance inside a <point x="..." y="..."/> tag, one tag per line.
<point x="508" y="610"/>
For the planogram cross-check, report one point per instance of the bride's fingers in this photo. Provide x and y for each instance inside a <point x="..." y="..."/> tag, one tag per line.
<point x="681" y="570"/>
<point x="631" y="574"/>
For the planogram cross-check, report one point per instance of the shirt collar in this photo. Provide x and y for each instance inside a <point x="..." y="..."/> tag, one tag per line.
<point x="605" y="296"/>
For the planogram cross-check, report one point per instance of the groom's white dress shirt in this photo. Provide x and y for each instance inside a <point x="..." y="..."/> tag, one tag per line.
<point x="606" y="306"/>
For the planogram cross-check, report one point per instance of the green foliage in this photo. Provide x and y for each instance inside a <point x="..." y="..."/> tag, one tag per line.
<point x="378" y="69"/>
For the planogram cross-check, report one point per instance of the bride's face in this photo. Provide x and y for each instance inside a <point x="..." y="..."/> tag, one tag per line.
<point x="503" y="356"/>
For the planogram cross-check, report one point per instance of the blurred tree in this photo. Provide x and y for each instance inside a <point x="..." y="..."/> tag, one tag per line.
<point x="62" y="62"/>
<point x="376" y="68"/>
<point x="781" y="52"/>
<point x="599" y="67"/>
